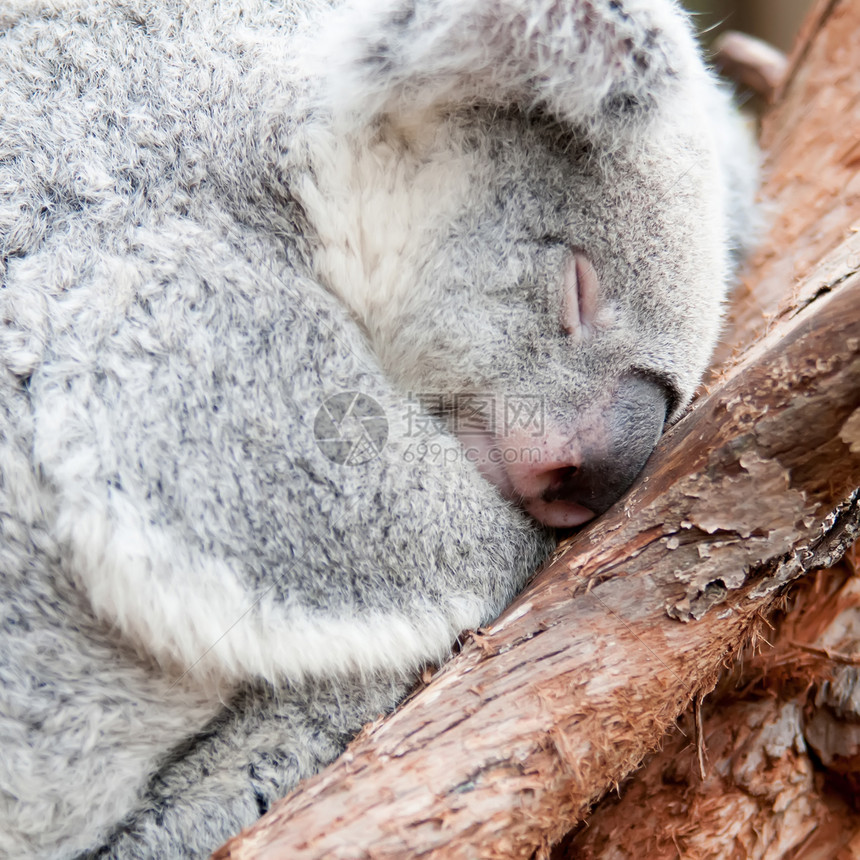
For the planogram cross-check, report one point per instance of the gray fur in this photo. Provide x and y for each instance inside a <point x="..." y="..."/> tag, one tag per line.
<point x="215" y="215"/>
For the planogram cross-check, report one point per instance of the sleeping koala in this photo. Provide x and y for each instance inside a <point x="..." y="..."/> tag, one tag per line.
<point x="317" y="319"/>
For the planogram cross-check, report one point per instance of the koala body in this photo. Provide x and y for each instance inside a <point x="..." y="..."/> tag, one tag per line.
<point x="230" y="231"/>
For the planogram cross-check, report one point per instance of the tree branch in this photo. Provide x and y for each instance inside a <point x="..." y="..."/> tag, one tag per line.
<point x="783" y="749"/>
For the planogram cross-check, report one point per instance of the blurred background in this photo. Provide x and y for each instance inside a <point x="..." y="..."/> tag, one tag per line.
<point x="776" y="21"/>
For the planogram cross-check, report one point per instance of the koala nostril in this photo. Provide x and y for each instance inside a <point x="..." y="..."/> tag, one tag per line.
<point x="559" y="478"/>
<point x="562" y="484"/>
<point x="556" y="499"/>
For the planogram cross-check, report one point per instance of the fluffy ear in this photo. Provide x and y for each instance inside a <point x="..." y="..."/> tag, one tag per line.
<point x="583" y="60"/>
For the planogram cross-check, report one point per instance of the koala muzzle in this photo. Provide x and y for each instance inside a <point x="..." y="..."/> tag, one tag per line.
<point x="580" y="476"/>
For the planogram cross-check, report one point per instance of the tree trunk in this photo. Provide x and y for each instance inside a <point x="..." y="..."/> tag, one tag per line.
<point x="513" y="739"/>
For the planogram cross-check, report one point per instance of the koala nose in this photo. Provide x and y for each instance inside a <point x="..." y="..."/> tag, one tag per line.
<point x="579" y="478"/>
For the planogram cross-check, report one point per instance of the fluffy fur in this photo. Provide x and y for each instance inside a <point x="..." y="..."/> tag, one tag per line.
<point x="213" y="216"/>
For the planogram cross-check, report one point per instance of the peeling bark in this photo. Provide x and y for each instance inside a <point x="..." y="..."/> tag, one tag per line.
<point x="513" y="740"/>
<point x="783" y="751"/>
<point x="752" y="63"/>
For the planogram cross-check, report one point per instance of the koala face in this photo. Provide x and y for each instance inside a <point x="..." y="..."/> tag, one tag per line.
<point x="589" y="286"/>
<point x="540" y="271"/>
<point x="560" y="239"/>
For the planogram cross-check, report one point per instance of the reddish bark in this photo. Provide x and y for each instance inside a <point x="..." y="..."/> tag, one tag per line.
<point x="782" y="735"/>
<point x="811" y="142"/>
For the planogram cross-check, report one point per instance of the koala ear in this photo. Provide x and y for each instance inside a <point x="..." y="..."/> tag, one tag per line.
<point x="583" y="60"/>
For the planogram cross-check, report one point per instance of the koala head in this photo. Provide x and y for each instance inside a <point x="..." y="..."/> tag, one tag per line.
<point x="527" y="207"/>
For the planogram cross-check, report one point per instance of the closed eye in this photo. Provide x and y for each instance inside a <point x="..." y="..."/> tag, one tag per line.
<point x="580" y="296"/>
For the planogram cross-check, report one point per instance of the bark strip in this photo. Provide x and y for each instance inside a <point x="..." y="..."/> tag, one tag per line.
<point x="782" y="740"/>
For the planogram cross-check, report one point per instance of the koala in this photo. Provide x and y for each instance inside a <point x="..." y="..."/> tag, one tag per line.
<point x="319" y="318"/>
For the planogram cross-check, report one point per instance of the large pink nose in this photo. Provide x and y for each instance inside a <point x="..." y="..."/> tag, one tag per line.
<point x="570" y="475"/>
<point x="543" y="478"/>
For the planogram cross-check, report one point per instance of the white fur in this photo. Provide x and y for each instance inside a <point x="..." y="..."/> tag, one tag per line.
<point x="376" y="197"/>
<point x="195" y="617"/>
<point x="559" y="53"/>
